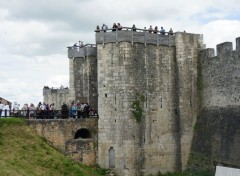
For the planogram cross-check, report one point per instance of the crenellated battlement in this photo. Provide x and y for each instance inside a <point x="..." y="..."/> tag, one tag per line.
<point x="223" y="50"/>
<point x="81" y="52"/>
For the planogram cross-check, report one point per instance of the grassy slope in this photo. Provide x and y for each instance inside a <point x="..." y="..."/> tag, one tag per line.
<point x="24" y="153"/>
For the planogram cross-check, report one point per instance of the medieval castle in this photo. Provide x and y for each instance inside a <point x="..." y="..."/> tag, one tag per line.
<point x="151" y="90"/>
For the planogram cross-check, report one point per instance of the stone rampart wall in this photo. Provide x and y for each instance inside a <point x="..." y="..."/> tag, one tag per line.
<point x="62" y="134"/>
<point x="221" y="76"/>
<point x="56" y="96"/>
<point x="216" y="140"/>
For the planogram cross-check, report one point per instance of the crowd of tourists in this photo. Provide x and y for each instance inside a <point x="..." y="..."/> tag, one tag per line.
<point x="47" y="111"/>
<point x="118" y="26"/>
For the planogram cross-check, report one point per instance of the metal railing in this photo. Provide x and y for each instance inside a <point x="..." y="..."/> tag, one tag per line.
<point x="48" y="114"/>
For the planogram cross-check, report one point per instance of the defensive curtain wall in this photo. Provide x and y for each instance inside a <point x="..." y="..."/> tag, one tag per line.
<point x="147" y="103"/>
<point x="217" y="132"/>
<point x="75" y="137"/>
<point x="58" y="96"/>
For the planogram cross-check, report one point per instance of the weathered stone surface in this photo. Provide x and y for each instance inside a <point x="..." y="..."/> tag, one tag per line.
<point x="166" y="77"/>
<point x="64" y="134"/>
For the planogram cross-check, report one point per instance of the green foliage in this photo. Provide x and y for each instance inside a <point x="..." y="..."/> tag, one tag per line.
<point x="137" y="107"/>
<point x="23" y="152"/>
<point x="12" y="121"/>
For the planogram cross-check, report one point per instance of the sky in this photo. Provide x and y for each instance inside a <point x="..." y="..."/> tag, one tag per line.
<point x="34" y="34"/>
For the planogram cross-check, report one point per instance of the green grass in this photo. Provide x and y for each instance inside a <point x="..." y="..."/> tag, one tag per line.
<point x="24" y="153"/>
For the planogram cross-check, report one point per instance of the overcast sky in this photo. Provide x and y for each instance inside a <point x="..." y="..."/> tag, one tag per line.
<point x="34" y="34"/>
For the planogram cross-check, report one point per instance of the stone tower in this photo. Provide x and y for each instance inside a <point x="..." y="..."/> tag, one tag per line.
<point x="147" y="103"/>
<point x="83" y="74"/>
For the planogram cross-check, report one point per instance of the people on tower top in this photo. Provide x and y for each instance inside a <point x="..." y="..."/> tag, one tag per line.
<point x="150" y="30"/>
<point x="97" y="29"/>
<point x="170" y="32"/>
<point x="134" y="27"/>
<point x="104" y="27"/>
<point x="155" y="30"/>
<point x="114" y="28"/>
<point x="162" y="31"/>
<point x="119" y="27"/>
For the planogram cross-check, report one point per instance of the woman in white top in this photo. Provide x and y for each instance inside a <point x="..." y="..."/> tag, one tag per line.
<point x="6" y="111"/>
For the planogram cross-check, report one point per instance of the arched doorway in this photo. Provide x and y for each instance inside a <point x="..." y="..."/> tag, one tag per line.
<point x="82" y="133"/>
<point x="111" y="157"/>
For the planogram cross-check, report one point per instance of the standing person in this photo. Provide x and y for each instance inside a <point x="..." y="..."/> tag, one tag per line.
<point x="134" y="28"/>
<point x="150" y="30"/>
<point x="86" y="110"/>
<point x="24" y="110"/>
<point x="162" y="31"/>
<point x="104" y="27"/>
<point x="42" y="110"/>
<point x="170" y="32"/>
<point x="6" y="110"/>
<point x="15" y="109"/>
<point x="31" y="111"/>
<point x="114" y="28"/>
<point x="64" y="111"/>
<point x="155" y="30"/>
<point x="97" y="29"/>
<point x="38" y="110"/>
<point x="1" y="108"/>
<point x="51" y="110"/>
<point x="119" y="26"/>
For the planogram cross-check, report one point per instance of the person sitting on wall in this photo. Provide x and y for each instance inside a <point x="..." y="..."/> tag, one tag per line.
<point x="170" y="32"/>
<point x="134" y="28"/>
<point x="155" y="30"/>
<point x="104" y="27"/>
<point x="162" y="31"/>
<point x="119" y="26"/>
<point x="114" y="28"/>
<point x="97" y="29"/>
<point x="150" y="30"/>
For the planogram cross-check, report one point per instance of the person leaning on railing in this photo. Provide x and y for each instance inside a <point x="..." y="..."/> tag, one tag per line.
<point x="134" y="27"/>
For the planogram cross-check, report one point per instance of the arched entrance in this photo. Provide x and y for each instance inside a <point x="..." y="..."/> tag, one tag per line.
<point x="82" y="133"/>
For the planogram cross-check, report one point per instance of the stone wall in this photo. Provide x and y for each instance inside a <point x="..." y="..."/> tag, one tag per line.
<point x="162" y="79"/>
<point x="58" y="96"/>
<point x="217" y="130"/>
<point x="67" y="136"/>
<point x="83" y="75"/>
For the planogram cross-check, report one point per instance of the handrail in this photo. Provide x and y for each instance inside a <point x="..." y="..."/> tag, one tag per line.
<point x="48" y="114"/>
<point x="134" y="37"/>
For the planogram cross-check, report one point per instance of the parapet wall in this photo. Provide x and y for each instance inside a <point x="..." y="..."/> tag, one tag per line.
<point x="134" y="37"/>
<point x="221" y="75"/>
<point x="85" y="51"/>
